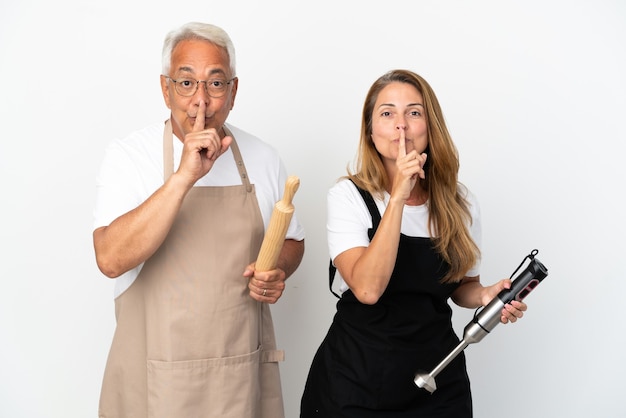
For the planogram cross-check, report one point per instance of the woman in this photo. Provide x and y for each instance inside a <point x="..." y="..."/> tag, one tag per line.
<point x="403" y="234"/>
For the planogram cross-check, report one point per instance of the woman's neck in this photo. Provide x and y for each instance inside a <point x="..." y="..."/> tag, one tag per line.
<point x="417" y="197"/>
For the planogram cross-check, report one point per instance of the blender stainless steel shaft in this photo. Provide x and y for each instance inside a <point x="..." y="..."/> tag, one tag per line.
<point x="487" y="319"/>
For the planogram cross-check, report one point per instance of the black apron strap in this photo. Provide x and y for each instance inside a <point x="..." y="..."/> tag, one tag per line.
<point x="331" y="277"/>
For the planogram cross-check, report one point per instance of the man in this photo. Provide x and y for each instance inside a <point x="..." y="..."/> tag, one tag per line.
<point x="180" y="215"/>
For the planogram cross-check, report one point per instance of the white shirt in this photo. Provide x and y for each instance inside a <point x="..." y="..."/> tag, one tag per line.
<point x="132" y="170"/>
<point x="349" y="220"/>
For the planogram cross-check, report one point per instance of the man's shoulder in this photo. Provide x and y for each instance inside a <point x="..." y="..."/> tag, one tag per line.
<point x="147" y="139"/>
<point x="149" y="133"/>
<point x="143" y="146"/>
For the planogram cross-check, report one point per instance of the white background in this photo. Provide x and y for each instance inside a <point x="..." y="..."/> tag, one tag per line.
<point x="535" y="98"/>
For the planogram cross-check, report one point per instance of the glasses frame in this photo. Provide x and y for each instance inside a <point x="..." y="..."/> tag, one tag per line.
<point x="206" y="87"/>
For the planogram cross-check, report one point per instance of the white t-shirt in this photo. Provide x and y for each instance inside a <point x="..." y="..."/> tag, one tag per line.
<point x="349" y="220"/>
<point x="132" y="170"/>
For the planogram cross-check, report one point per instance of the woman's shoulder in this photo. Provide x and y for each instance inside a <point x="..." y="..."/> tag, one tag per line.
<point x="343" y="189"/>
<point x="470" y="198"/>
<point x="343" y="183"/>
<point x="466" y="193"/>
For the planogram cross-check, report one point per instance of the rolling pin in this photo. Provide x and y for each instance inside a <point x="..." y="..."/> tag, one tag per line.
<point x="277" y="229"/>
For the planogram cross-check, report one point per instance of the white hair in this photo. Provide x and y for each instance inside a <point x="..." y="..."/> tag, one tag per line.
<point x="197" y="30"/>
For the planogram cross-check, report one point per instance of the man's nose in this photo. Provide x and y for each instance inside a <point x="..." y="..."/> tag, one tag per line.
<point x="202" y="89"/>
<point x="202" y="92"/>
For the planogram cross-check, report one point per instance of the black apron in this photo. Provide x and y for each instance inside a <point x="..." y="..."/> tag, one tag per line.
<point x="366" y="364"/>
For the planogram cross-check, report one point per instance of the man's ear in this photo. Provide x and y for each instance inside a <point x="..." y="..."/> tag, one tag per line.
<point x="233" y="93"/>
<point x="165" y="89"/>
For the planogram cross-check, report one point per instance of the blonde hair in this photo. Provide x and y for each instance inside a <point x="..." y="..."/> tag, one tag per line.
<point x="448" y="210"/>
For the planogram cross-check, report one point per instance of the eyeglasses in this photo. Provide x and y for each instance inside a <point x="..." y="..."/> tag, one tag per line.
<point x="188" y="86"/>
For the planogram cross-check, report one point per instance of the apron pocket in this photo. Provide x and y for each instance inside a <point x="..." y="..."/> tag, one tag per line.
<point x="218" y="387"/>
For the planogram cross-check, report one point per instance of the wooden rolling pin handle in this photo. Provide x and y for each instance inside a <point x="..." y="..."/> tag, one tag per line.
<point x="277" y="230"/>
<point x="291" y="187"/>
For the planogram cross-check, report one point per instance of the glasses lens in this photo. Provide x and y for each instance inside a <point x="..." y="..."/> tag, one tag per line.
<point x="216" y="88"/>
<point x="188" y="86"/>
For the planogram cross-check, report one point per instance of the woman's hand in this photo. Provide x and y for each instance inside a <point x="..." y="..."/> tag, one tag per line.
<point x="408" y="168"/>
<point x="511" y="311"/>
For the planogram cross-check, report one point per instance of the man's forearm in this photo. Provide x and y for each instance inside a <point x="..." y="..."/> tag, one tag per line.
<point x="290" y="256"/>
<point x="135" y="236"/>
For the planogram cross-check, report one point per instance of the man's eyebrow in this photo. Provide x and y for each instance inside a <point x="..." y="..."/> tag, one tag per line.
<point x="217" y="71"/>
<point x="190" y="70"/>
<point x="185" y="69"/>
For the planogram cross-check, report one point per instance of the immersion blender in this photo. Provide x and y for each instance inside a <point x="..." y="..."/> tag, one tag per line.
<point x="487" y="319"/>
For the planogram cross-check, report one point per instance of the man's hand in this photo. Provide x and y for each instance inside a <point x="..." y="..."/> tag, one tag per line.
<point x="265" y="286"/>
<point x="201" y="147"/>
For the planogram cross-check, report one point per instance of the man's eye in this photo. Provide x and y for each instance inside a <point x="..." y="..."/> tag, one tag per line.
<point x="217" y="83"/>
<point x="186" y="83"/>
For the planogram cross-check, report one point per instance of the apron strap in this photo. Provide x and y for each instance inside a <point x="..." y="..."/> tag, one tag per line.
<point x="168" y="151"/>
<point x="239" y="161"/>
<point x="272" y="356"/>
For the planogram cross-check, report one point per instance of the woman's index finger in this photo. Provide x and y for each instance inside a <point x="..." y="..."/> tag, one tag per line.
<point x="402" y="144"/>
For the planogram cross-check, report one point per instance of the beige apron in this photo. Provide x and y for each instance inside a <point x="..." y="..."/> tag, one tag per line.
<point x="188" y="341"/>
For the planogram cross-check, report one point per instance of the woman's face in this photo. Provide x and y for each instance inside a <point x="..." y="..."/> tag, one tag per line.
<point x="399" y="106"/>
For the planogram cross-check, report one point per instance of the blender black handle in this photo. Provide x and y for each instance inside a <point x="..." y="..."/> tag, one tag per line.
<point x="527" y="280"/>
